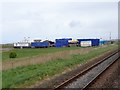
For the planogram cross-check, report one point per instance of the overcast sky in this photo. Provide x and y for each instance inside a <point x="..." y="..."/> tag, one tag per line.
<point x="51" y="20"/>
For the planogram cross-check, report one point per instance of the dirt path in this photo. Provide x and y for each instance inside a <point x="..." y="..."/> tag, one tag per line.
<point x="43" y="58"/>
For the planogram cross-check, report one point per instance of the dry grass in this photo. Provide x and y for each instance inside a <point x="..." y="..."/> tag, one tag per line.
<point x="43" y="59"/>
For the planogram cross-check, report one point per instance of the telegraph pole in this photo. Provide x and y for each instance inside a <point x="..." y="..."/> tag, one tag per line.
<point x="110" y="37"/>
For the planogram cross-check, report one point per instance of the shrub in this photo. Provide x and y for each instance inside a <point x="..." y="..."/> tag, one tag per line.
<point x="12" y="55"/>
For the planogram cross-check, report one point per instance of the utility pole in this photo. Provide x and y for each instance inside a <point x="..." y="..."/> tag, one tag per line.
<point x="110" y="37"/>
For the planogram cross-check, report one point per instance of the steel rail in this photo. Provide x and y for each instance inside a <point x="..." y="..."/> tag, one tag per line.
<point x="67" y="82"/>
<point x="97" y="76"/>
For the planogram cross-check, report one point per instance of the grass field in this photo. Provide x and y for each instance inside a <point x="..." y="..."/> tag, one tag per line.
<point x="29" y="52"/>
<point x="28" y="75"/>
<point x="7" y="45"/>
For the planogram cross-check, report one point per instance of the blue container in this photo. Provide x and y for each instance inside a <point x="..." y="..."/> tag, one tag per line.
<point x="94" y="42"/>
<point x="39" y="44"/>
<point x="102" y="42"/>
<point x="61" y="43"/>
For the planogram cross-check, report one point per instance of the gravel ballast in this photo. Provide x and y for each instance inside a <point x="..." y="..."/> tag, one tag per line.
<point x="85" y="79"/>
<point x="57" y="79"/>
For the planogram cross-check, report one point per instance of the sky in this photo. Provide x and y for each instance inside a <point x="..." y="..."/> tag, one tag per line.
<point x="58" y="19"/>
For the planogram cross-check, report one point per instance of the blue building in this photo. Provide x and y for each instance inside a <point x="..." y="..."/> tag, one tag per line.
<point x="62" y="42"/>
<point x="39" y="44"/>
<point x="88" y="42"/>
<point x="103" y="42"/>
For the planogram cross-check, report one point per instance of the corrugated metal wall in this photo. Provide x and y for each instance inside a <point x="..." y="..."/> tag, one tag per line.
<point x="61" y="42"/>
<point x="40" y="44"/>
<point x="102" y="42"/>
<point x="94" y="42"/>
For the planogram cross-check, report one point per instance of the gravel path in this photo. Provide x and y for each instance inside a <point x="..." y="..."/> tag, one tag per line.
<point x="116" y="82"/>
<point x="82" y="81"/>
<point x="110" y="79"/>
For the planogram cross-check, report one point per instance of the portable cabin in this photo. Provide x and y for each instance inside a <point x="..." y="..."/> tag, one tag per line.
<point x="62" y="42"/>
<point x="88" y="42"/>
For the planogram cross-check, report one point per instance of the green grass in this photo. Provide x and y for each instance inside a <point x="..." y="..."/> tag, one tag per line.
<point x="29" y="52"/>
<point x="28" y="75"/>
<point x="7" y="45"/>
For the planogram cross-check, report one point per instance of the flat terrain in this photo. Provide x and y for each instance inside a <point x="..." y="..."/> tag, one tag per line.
<point x="25" y="76"/>
<point x="65" y="54"/>
<point x="30" y="52"/>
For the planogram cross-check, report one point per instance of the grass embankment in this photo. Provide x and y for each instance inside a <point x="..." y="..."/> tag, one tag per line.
<point x="29" y="52"/>
<point x="25" y="76"/>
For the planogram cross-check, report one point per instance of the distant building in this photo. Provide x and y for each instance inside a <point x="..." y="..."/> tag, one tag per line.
<point x="62" y="42"/>
<point x="88" y="42"/>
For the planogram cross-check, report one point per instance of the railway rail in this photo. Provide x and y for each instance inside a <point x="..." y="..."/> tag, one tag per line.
<point x="88" y="76"/>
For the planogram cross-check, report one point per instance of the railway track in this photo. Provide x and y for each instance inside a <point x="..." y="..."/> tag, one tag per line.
<point x="88" y="76"/>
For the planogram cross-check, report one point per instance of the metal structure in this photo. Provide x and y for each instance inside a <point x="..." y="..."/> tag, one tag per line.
<point x="73" y="43"/>
<point x="62" y="42"/>
<point x="103" y="42"/>
<point x="39" y="44"/>
<point x="88" y="42"/>
<point x="88" y="76"/>
<point x="23" y="44"/>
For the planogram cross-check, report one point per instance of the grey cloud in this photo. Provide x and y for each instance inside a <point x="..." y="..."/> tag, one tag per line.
<point x="74" y="24"/>
<point x="41" y="20"/>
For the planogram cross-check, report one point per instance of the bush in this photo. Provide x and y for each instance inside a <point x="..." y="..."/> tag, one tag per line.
<point x="13" y="55"/>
